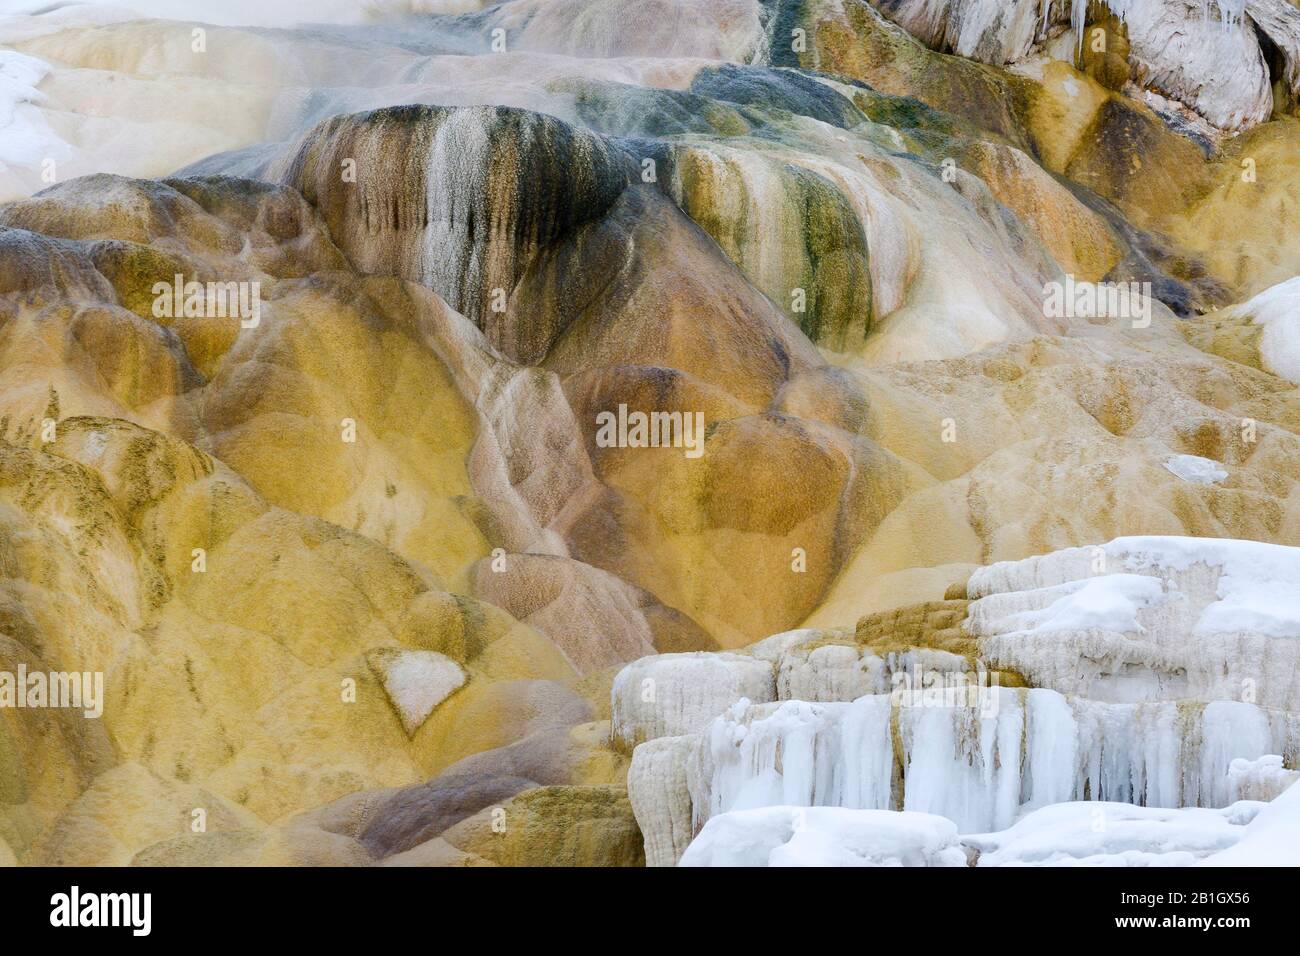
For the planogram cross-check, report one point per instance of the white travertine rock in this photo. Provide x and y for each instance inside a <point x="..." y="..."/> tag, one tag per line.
<point x="772" y="648"/>
<point x="1194" y="468"/>
<point x="657" y="788"/>
<point x="1148" y="618"/>
<point x="1205" y="56"/>
<point x="830" y="672"/>
<point x="1279" y="20"/>
<point x="675" y="694"/>
<point x="1214" y="66"/>
<point x="993" y="31"/>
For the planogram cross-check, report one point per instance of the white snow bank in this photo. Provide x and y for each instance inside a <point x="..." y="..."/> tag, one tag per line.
<point x="825" y="836"/>
<point x="1271" y="839"/>
<point x="1114" y="834"/>
<point x="24" y="134"/>
<point x="1277" y="309"/>
<point x="1079" y="833"/>
<point x="1258" y="585"/>
<point x="1109" y="602"/>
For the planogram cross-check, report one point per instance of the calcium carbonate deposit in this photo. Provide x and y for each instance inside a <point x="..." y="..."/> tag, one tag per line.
<point x="648" y="432"/>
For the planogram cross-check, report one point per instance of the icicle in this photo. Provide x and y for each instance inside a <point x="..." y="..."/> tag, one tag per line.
<point x="1078" y="19"/>
<point x="980" y="763"/>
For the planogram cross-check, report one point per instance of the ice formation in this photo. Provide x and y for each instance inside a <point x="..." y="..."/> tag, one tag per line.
<point x="1263" y="778"/>
<point x="979" y="764"/>
<point x="1163" y="618"/>
<point x="1163" y="711"/>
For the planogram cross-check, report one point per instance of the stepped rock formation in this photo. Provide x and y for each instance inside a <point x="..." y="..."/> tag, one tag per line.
<point x="611" y="432"/>
<point x="1164" y="697"/>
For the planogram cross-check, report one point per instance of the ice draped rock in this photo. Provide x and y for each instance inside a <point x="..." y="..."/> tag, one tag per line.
<point x="978" y="763"/>
<point x="1148" y="619"/>
<point x="981" y="765"/>
<point x="674" y="694"/>
<point x="1161" y="672"/>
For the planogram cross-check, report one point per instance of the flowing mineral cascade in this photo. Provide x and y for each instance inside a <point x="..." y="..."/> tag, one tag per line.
<point x="650" y="432"/>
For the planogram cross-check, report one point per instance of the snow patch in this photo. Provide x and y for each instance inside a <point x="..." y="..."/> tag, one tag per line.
<point x="1200" y="471"/>
<point x="416" y="681"/>
<point x="1113" y="834"/>
<point x="24" y="134"/>
<point x="1277" y="309"/>
<point x="1271" y="839"/>
<point x="825" y="836"/>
